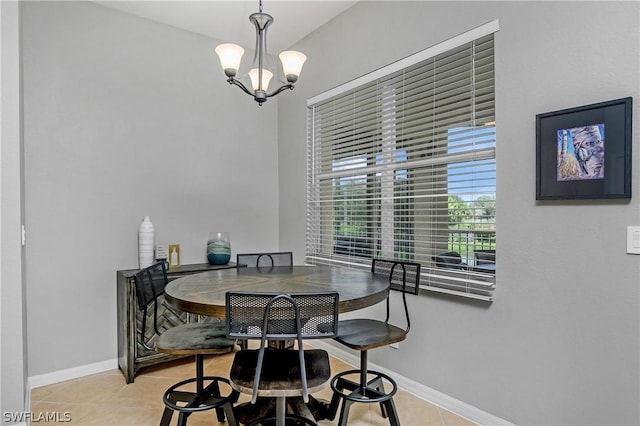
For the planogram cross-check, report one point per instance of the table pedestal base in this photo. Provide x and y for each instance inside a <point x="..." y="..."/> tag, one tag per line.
<point x="314" y="410"/>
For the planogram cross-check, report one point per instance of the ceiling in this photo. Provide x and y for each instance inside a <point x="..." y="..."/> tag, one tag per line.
<point x="228" y="20"/>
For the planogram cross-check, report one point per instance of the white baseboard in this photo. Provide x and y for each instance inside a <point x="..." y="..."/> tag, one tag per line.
<point x="71" y="373"/>
<point x="433" y="396"/>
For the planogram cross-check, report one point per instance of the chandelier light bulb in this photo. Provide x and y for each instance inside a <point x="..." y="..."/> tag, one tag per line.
<point x="230" y="56"/>
<point x="292" y="62"/>
<point x="266" y="77"/>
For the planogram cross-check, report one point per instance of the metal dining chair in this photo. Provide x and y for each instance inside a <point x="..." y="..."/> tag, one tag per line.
<point x="197" y="339"/>
<point x="365" y="334"/>
<point x="255" y="260"/>
<point x="274" y="372"/>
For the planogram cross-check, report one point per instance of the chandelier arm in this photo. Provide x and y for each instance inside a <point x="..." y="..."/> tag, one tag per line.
<point x="238" y="83"/>
<point x="281" y="89"/>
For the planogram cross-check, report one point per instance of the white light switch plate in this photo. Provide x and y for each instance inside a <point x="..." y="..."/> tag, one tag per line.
<point x="633" y="239"/>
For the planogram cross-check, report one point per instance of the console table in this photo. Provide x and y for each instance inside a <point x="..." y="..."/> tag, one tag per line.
<point x="132" y="355"/>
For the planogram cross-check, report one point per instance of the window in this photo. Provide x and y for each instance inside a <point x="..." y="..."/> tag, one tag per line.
<point x="402" y="166"/>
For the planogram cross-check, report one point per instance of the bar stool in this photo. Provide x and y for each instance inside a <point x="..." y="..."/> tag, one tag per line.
<point x="365" y="334"/>
<point x="281" y="373"/>
<point x="197" y="339"/>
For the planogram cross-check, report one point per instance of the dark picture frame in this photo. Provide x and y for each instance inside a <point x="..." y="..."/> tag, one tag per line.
<point x="584" y="152"/>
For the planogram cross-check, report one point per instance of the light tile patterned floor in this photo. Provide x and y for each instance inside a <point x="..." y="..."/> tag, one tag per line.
<point x="106" y="400"/>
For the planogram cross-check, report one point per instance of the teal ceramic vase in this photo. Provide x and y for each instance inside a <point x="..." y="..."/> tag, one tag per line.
<point x="218" y="248"/>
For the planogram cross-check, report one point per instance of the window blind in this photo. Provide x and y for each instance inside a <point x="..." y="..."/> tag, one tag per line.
<point x="401" y="165"/>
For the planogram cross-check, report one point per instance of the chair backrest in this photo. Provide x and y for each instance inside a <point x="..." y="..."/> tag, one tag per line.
<point x="254" y="260"/>
<point x="447" y="259"/>
<point x="150" y="283"/>
<point x="406" y="278"/>
<point x="485" y="257"/>
<point x="271" y="316"/>
<point x="403" y="276"/>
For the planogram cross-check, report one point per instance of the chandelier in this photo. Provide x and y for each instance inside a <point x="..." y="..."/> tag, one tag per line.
<point x="231" y="54"/>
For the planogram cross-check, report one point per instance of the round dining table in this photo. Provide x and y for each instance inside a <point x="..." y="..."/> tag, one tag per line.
<point x="204" y="293"/>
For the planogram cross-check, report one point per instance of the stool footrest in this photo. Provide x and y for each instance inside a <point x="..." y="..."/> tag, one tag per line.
<point x="208" y="398"/>
<point x="371" y="393"/>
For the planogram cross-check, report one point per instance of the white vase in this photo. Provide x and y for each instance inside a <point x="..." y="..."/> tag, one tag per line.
<point x="146" y="243"/>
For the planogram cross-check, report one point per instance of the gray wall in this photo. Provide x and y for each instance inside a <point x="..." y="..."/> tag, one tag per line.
<point x="560" y="343"/>
<point x="125" y="118"/>
<point x="13" y="366"/>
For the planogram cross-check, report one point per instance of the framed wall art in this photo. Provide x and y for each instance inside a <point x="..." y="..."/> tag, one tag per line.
<point x="584" y="152"/>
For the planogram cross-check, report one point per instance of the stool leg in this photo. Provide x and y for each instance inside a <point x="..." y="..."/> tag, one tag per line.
<point x="344" y="412"/>
<point x="214" y="389"/>
<point x="182" y="419"/>
<point x="281" y="410"/>
<point x="363" y="371"/>
<point x="341" y="384"/>
<point x="199" y="373"/>
<point x="335" y="403"/>
<point x="231" y="417"/>
<point x="392" y="413"/>
<point x="166" y="416"/>
<point x="379" y="386"/>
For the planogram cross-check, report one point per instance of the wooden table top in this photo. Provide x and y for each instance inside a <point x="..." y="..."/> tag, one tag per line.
<point x="204" y="293"/>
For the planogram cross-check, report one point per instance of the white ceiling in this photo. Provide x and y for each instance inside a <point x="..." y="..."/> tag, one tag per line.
<point x="228" y="20"/>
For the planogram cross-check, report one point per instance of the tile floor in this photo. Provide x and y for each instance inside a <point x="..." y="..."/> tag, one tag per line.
<point x="105" y="399"/>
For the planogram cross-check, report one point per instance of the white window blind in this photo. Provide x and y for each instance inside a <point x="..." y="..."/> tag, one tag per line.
<point x="401" y="165"/>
